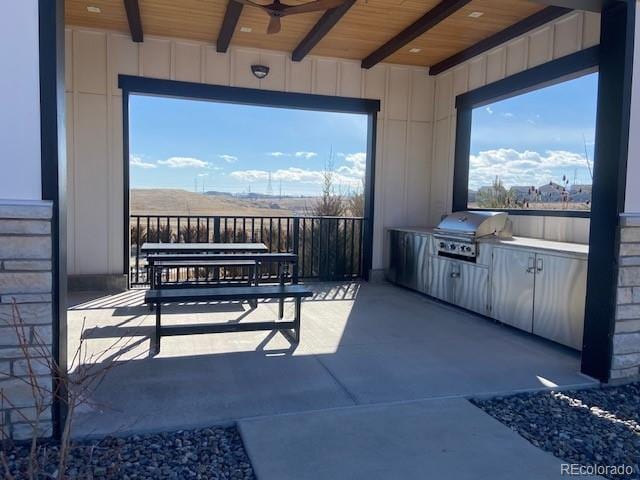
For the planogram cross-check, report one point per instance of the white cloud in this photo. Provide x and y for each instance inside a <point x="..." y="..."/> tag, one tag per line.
<point x="294" y="174"/>
<point x="508" y="115"/>
<point x="184" y="162"/>
<point x="203" y="174"/>
<point x="137" y="161"/>
<point x="306" y="155"/>
<point x="228" y="158"/>
<point x="489" y="111"/>
<point x="516" y="168"/>
<point x="278" y="154"/>
<point x="357" y="165"/>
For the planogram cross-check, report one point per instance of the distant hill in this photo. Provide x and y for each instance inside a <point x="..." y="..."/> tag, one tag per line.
<point x="166" y="201"/>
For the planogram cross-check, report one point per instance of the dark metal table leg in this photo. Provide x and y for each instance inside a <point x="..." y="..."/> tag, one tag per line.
<point x="296" y="320"/>
<point x="156" y="336"/>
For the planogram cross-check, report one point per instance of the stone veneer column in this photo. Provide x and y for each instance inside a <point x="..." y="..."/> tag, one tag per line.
<point x="626" y="340"/>
<point x="25" y="277"/>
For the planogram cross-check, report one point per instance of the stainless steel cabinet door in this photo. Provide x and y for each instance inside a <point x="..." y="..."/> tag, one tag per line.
<point x="471" y="287"/>
<point x="440" y="279"/>
<point x="421" y="247"/>
<point x="409" y="277"/>
<point x="512" y="286"/>
<point x="396" y="256"/>
<point x="559" y="301"/>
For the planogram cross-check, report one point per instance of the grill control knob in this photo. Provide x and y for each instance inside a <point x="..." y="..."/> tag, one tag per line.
<point x="452" y="246"/>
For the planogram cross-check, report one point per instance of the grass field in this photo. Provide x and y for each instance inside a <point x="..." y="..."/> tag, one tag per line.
<point x="164" y="201"/>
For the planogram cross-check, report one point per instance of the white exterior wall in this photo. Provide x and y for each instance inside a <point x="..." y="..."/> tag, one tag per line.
<point x="94" y="119"/>
<point x="561" y="37"/>
<point x="632" y="198"/>
<point x="20" y="104"/>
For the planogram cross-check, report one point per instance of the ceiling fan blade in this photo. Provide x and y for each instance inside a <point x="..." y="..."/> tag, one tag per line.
<point x="316" y="6"/>
<point x="274" y="25"/>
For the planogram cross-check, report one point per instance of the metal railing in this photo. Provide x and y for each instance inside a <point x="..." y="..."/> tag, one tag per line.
<point x="328" y="248"/>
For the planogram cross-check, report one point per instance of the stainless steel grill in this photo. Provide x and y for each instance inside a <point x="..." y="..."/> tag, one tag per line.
<point x="458" y="233"/>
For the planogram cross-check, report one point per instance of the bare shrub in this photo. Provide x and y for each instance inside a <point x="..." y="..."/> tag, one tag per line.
<point x="74" y="386"/>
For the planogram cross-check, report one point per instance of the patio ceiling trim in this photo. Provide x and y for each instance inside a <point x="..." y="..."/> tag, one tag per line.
<point x="135" y="22"/>
<point x="246" y="96"/>
<point x="267" y="98"/>
<point x="320" y="29"/>
<point x="534" y="21"/>
<point x="425" y="23"/>
<point x="231" y="17"/>
<point x="564" y="68"/>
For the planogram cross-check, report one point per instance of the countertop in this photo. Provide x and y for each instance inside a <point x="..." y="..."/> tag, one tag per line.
<point x="539" y="244"/>
<point x="518" y="242"/>
<point x="427" y="230"/>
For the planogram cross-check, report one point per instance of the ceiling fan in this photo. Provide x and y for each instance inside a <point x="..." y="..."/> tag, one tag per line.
<point x="277" y="10"/>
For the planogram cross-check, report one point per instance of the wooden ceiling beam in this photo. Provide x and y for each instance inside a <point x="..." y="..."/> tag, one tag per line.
<point x="229" y="23"/>
<point x="135" y="22"/>
<point x="320" y="29"/>
<point x="429" y="20"/>
<point x="523" y="26"/>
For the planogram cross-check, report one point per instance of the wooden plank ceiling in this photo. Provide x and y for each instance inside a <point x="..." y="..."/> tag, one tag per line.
<point x="365" y="27"/>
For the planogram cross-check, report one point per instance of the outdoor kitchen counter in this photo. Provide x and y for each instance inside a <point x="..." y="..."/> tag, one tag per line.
<point x="418" y="230"/>
<point x="528" y="243"/>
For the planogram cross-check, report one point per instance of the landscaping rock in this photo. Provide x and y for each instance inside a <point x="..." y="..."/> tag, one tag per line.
<point x="212" y="453"/>
<point x="597" y="427"/>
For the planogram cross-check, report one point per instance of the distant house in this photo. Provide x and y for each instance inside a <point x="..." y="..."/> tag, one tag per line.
<point x="551" y="192"/>
<point x="521" y="193"/>
<point x="580" y="193"/>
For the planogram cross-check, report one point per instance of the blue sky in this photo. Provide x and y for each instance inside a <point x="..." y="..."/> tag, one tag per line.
<point x="537" y="137"/>
<point x="175" y="143"/>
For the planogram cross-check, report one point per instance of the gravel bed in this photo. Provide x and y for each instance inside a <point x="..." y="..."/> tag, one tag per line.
<point x="213" y="453"/>
<point x="595" y="427"/>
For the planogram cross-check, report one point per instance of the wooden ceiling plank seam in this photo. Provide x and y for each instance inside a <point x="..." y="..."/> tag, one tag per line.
<point x="520" y="28"/>
<point x="429" y="20"/>
<point x="229" y="23"/>
<point x="132" y="8"/>
<point x="328" y="20"/>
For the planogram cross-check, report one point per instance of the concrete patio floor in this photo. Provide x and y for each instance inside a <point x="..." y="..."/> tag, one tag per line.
<point x="362" y="344"/>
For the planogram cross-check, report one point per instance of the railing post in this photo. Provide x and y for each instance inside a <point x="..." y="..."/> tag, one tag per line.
<point x="216" y="229"/>
<point x="296" y="241"/>
<point x="216" y="239"/>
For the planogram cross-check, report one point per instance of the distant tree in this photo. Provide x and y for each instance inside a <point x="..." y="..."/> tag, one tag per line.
<point x="495" y="196"/>
<point x="355" y="203"/>
<point x="330" y="203"/>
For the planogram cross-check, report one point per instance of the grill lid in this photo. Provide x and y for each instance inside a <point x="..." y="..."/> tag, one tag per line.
<point x="473" y="224"/>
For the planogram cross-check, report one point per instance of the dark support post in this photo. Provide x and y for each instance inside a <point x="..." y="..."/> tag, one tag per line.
<point x="609" y="178"/>
<point x="461" y="160"/>
<point x="369" y="188"/>
<point x="54" y="184"/>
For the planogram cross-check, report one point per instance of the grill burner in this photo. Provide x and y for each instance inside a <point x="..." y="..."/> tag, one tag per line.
<point x="457" y="234"/>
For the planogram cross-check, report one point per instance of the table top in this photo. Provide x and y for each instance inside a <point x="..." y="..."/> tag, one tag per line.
<point x="203" y="247"/>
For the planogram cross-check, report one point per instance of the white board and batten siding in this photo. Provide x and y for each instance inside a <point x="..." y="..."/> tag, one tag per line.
<point x="94" y="134"/>
<point x="566" y="35"/>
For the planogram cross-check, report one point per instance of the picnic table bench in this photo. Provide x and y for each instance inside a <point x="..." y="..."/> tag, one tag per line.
<point x="290" y="329"/>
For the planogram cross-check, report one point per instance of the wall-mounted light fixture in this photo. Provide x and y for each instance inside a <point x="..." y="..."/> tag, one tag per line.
<point x="260" y="71"/>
